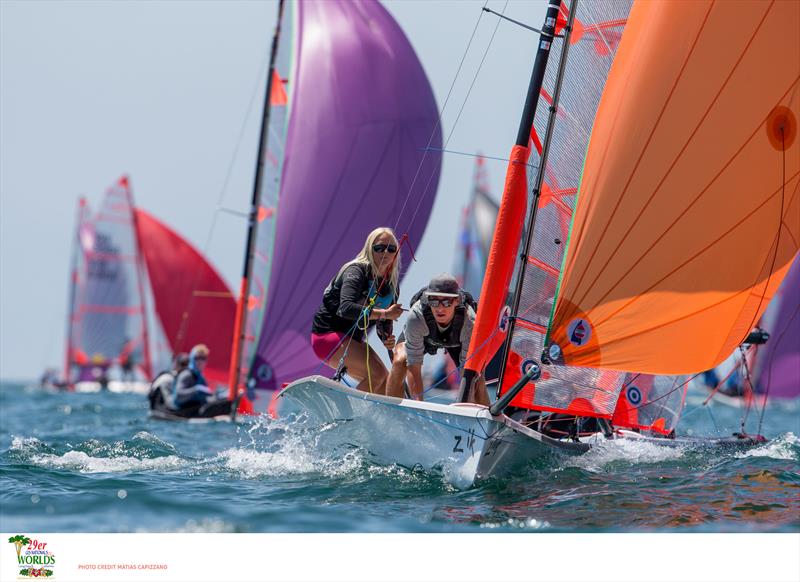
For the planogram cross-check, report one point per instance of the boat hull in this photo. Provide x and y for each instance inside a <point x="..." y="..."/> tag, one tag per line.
<point x="115" y="386"/>
<point x="463" y="441"/>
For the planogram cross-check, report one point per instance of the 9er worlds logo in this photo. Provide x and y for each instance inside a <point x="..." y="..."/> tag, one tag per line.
<point x="34" y="559"/>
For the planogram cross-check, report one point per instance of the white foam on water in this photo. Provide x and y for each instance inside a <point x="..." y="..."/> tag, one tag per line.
<point x="514" y="523"/>
<point x="288" y="460"/>
<point x="80" y="461"/>
<point x="605" y="452"/>
<point x="784" y="447"/>
<point x="462" y="474"/>
<point x="22" y="443"/>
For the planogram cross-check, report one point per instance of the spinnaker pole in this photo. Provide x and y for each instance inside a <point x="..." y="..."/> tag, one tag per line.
<point x="501" y="403"/>
<point x="239" y="327"/>
<point x="497" y="275"/>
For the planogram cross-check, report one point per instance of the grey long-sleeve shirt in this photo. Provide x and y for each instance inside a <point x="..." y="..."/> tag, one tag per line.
<point x="416" y="330"/>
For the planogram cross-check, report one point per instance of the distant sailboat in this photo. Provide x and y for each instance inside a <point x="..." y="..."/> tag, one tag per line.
<point x="650" y="215"/>
<point x="758" y="371"/>
<point x="348" y="114"/>
<point x="107" y="324"/>
<point x="475" y="236"/>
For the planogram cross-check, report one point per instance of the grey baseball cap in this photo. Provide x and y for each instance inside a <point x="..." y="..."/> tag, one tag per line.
<point x="443" y="285"/>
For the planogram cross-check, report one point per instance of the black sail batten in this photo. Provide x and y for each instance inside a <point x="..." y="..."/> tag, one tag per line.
<point x="502" y="402"/>
<point x="240" y="329"/>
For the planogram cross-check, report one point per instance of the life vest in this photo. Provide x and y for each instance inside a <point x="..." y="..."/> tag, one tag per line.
<point x="448" y="339"/>
<point x="160" y="394"/>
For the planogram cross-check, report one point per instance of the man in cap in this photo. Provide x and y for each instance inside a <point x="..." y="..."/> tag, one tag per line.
<point x="441" y="317"/>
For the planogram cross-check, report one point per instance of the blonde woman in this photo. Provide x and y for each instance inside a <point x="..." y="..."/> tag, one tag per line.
<point x="345" y="314"/>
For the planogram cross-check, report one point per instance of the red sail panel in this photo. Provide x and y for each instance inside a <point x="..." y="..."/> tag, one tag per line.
<point x="688" y="215"/>
<point x="193" y="303"/>
<point x="652" y="403"/>
<point x="487" y="334"/>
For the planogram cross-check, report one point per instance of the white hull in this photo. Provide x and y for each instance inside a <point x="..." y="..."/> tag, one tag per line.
<point x="115" y="386"/>
<point x="464" y="441"/>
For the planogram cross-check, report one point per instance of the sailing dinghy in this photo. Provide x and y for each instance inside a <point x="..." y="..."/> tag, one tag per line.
<point x="107" y="324"/>
<point x="182" y="281"/>
<point x="348" y="114"/>
<point x="768" y="367"/>
<point x="626" y="266"/>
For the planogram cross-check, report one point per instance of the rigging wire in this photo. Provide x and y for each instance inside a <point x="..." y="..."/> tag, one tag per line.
<point x="221" y="197"/>
<point x="461" y="110"/>
<point x="481" y="156"/>
<point x="439" y="118"/>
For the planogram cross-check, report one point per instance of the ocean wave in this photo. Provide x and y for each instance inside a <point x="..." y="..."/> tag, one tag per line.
<point x="288" y="460"/>
<point x="608" y="452"/>
<point x="786" y="447"/>
<point x="84" y="463"/>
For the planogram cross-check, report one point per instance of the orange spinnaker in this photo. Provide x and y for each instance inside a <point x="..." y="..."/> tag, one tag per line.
<point x="688" y="215"/>
<point x="486" y="337"/>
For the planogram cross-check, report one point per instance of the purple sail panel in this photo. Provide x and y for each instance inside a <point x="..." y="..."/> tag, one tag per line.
<point x="362" y="113"/>
<point x="778" y="363"/>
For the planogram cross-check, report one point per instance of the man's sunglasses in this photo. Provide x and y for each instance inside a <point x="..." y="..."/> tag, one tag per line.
<point x="380" y="248"/>
<point x="441" y="302"/>
<point x="200" y="358"/>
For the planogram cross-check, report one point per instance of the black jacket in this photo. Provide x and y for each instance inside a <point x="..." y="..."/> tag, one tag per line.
<point x="344" y="300"/>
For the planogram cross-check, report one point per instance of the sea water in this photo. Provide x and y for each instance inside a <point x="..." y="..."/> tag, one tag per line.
<point x="95" y="463"/>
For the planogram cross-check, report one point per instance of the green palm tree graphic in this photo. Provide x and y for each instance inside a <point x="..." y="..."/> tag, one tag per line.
<point x="19" y="541"/>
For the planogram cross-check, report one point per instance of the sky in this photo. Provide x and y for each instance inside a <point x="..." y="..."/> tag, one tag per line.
<point x="169" y="93"/>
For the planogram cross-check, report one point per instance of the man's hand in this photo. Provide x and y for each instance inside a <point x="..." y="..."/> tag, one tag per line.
<point x="389" y="342"/>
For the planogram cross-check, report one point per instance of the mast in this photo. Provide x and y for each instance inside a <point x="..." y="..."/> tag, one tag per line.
<point x="140" y="272"/>
<point x="73" y="283"/>
<point x="534" y="370"/>
<point x="523" y="139"/>
<point x="239" y="328"/>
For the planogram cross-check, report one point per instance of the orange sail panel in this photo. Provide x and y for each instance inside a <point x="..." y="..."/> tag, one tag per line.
<point x="688" y="215"/>
<point x="487" y="334"/>
<point x="193" y="303"/>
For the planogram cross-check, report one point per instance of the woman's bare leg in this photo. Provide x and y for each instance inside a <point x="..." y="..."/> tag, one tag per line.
<point x="370" y="380"/>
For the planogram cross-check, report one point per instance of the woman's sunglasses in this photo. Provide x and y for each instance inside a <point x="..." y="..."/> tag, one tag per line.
<point x="380" y="248"/>
<point x="442" y="302"/>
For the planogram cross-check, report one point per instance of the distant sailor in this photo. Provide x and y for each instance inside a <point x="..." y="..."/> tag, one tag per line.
<point x="191" y="387"/>
<point x="160" y="394"/>
<point x="441" y="318"/>
<point x="363" y="293"/>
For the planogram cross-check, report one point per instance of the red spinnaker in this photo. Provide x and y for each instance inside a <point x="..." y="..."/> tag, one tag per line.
<point x="183" y="282"/>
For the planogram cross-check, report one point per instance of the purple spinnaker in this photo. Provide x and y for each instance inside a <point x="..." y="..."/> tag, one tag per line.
<point x="362" y="114"/>
<point x="778" y="365"/>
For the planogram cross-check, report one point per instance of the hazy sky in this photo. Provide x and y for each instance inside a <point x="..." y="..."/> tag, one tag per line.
<point x="169" y="93"/>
